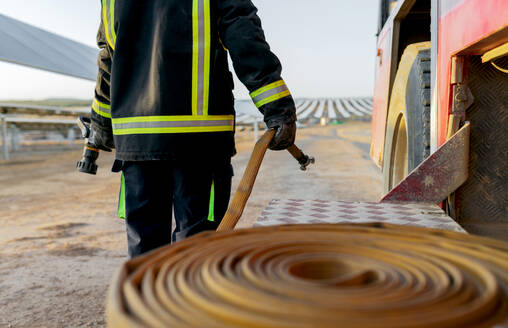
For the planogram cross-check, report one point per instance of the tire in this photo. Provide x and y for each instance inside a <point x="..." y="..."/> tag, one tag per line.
<point x="418" y="110"/>
<point x="407" y="140"/>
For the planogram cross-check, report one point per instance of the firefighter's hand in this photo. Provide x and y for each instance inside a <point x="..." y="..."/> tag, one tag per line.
<point x="102" y="138"/>
<point x="284" y="135"/>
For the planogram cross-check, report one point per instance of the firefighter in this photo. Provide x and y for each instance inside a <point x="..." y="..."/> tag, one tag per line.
<point x="164" y="101"/>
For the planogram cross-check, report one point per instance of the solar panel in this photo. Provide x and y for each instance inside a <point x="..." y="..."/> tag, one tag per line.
<point x="26" y="45"/>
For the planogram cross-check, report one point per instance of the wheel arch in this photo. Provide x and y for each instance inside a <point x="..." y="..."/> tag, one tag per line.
<point x="398" y="105"/>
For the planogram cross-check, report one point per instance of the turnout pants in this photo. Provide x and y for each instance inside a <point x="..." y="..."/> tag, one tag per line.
<point x="197" y="194"/>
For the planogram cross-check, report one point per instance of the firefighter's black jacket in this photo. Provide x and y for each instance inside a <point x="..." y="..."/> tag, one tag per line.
<point x="164" y="88"/>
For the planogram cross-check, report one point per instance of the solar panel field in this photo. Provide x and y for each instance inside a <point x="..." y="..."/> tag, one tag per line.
<point x="312" y="110"/>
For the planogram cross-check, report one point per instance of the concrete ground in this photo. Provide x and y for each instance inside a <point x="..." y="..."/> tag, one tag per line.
<point x="60" y="241"/>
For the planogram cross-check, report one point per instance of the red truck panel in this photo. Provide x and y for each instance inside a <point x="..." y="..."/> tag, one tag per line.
<point x="466" y="27"/>
<point x="462" y="25"/>
<point x="380" y="102"/>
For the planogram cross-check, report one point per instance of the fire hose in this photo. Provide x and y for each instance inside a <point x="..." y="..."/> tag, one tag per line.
<point x="244" y="189"/>
<point x="369" y="275"/>
<point x="235" y="209"/>
<point x="372" y="275"/>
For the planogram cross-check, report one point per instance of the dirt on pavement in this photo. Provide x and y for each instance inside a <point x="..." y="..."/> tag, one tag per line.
<point x="60" y="240"/>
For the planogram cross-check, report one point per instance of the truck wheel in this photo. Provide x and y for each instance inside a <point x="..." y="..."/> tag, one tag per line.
<point x="407" y="140"/>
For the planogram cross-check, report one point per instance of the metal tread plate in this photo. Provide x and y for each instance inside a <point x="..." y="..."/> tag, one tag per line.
<point x="297" y="211"/>
<point x="483" y="199"/>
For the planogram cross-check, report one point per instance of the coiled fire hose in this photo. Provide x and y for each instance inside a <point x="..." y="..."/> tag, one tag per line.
<point x="369" y="275"/>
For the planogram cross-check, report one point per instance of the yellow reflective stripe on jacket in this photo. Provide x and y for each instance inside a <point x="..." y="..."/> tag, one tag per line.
<point x="270" y="93"/>
<point x="108" y="19"/>
<point x="173" y="124"/>
<point x="112" y="22"/>
<point x="200" y="56"/>
<point x="168" y="130"/>
<point x="169" y="118"/>
<point x="101" y="108"/>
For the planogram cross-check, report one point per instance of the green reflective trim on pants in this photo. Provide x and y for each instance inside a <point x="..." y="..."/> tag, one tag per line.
<point x="121" y="200"/>
<point x="211" y="208"/>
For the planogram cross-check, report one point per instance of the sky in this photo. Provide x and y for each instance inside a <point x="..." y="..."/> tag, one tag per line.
<point x="327" y="47"/>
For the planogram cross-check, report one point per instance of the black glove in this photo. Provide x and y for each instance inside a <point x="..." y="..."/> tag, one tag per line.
<point x="102" y="138"/>
<point x="284" y="135"/>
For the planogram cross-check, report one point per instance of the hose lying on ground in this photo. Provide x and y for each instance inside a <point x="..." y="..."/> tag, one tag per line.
<point x="370" y="275"/>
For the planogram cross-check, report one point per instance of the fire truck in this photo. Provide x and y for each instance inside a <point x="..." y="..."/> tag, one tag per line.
<point x="442" y="64"/>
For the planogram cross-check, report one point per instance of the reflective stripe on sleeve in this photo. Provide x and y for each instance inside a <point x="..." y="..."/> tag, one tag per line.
<point x="108" y="18"/>
<point x="101" y="108"/>
<point x="173" y="124"/>
<point x="270" y="93"/>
